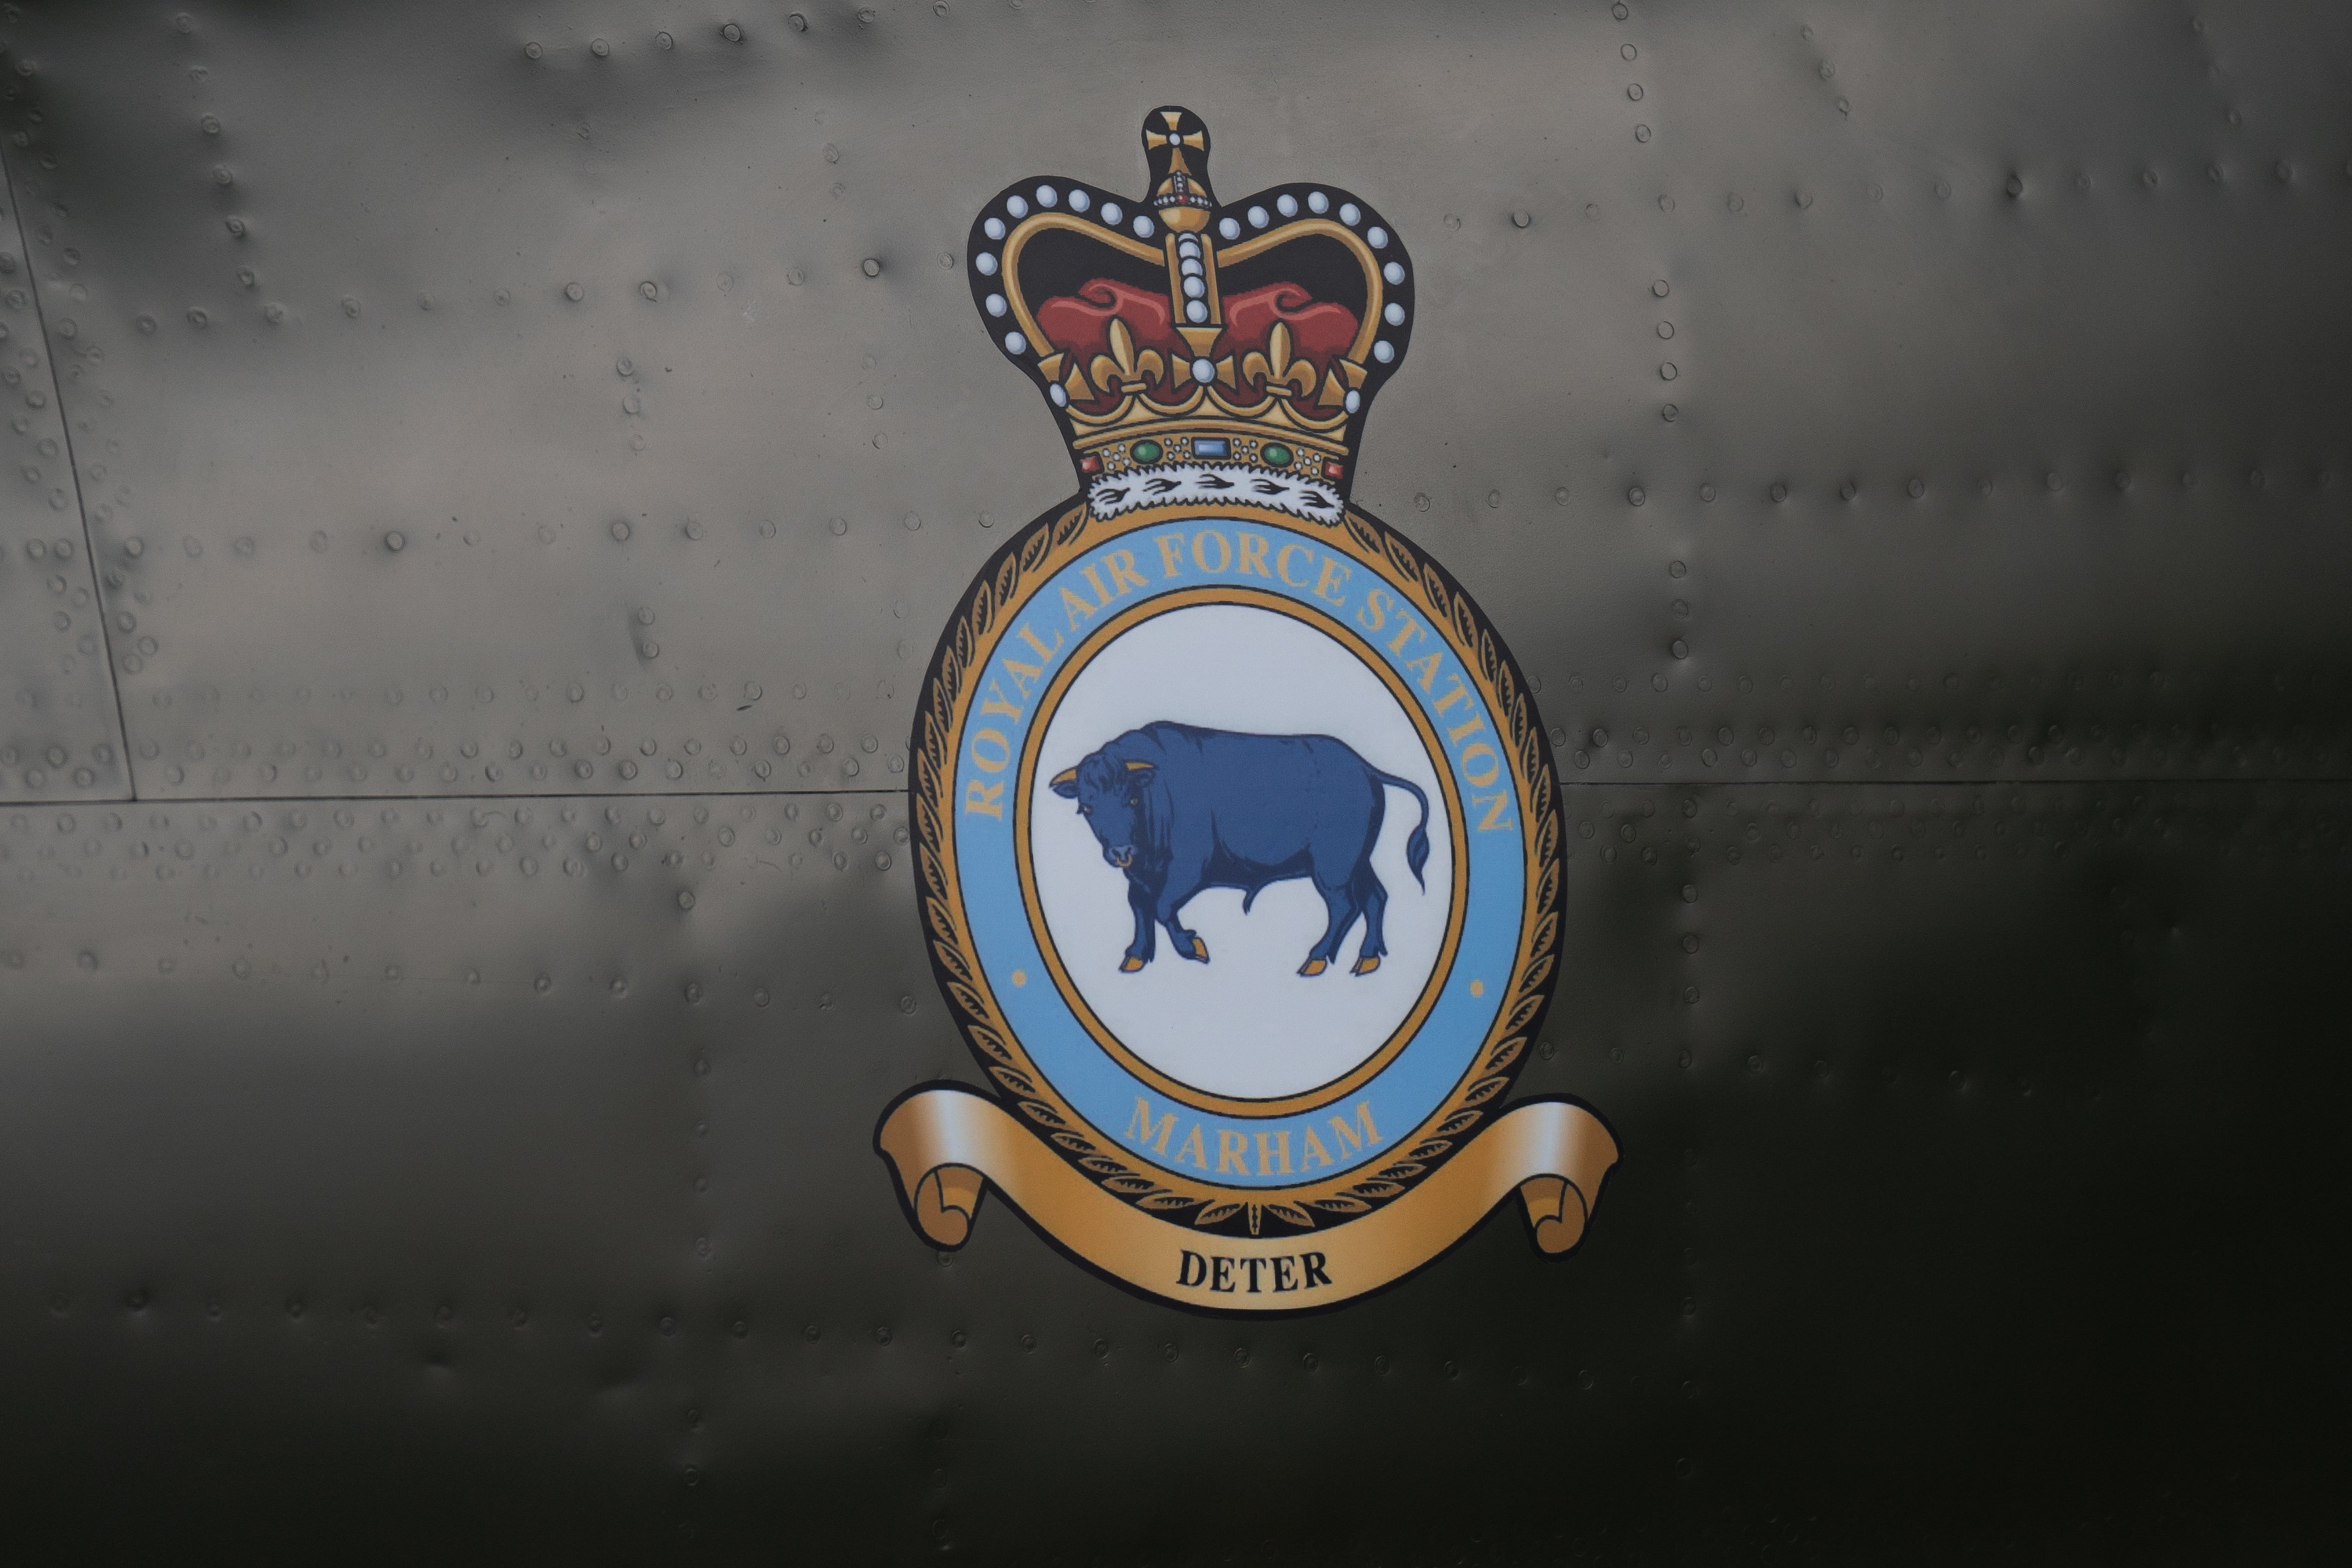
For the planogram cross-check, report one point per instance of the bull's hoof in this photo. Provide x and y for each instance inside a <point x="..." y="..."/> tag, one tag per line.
<point x="1366" y="966"/>
<point x="1129" y="965"/>
<point x="1200" y="950"/>
<point x="1313" y="966"/>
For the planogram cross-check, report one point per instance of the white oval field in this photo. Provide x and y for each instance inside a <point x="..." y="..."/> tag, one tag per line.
<point x="1245" y="1024"/>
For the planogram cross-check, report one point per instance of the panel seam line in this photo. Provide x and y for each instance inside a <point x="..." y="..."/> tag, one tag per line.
<point x="73" y="463"/>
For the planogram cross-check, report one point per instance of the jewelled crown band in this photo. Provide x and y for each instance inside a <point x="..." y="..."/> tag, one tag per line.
<point x="1185" y="343"/>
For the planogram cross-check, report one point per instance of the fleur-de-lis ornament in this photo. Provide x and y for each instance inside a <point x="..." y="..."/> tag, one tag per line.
<point x="1123" y="369"/>
<point x="1283" y="375"/>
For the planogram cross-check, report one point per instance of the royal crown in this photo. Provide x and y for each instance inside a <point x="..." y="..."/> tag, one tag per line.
<point x="1192" y="350"/>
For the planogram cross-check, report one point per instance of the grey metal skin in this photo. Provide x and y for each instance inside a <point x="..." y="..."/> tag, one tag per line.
<point x="484" y="482"/>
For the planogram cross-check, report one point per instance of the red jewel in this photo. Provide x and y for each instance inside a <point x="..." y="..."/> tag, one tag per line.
<point x="1090" y="464"/>
<point x="1332" y="470"/>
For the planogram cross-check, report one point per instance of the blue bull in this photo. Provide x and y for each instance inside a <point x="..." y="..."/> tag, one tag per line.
<point x="1180" y="809"/>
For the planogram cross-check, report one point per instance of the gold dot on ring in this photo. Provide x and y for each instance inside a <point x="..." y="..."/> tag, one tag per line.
<point x="1019" y="977"/>
<point x="1478" y="988"/>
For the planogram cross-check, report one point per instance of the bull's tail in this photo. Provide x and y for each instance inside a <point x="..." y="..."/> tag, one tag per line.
<point x="1416" y="848"/>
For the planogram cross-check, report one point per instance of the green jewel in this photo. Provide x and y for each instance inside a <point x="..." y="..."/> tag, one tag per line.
<point x="1145" y="451"/>
<point x="1278" y="455"/>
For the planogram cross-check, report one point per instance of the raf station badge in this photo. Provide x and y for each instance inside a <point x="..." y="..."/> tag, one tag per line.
<point x="1237" y="839"/>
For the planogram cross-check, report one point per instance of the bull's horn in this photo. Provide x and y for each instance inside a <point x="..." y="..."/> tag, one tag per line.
<point x="1138" y="767"/>
<point x="1068" y="775"/>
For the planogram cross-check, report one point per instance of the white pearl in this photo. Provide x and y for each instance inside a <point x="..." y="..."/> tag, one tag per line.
<point x="1355" y="400"/>
<point x="1392" y="272"/>
<point x="1142" y="226"/>
<point x="1194" y="287"/>
<point x="1377" y="236"/>
<point x="1384" y="351"/>
<point x="1062" y="399"/>
<point x="1351" y="214"/>
<point x="1196" y="312"/>
<point x="1015" y="343"/>
<point x="1016" y="206"/>
<point x="1189" y="267"/>
<point x="1257" y="218"/>
<point x="996" y="305"/>
<point x="1203" y="370"/>
<point x="1112" y="213"/>
<point x="1395" y="314"/>
<point x="985" y="264"/>
<point x="1047" y="195"/>
<point x="1080" y="201"/>
<point x="1317" y="202"/>
<point x="993" y="228"/>
<point x="1229" y="228"/>
<point x="1286" y="205"/>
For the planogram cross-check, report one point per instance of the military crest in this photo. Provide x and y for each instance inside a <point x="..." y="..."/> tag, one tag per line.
<point x="1237" y="838"/>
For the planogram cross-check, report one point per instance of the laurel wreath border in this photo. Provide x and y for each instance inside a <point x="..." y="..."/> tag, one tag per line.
<point x="1033" y="555"/>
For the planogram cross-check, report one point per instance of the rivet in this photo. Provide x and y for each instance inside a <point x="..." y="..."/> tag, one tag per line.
<point x="574" y="292"/>
<point x="532" y="51"/>
<point x="871" y="267"/>
<point x="731" y="33"/>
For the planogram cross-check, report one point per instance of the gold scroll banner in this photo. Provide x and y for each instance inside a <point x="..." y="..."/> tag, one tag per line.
<point x="946" y="1145"/>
